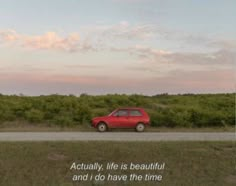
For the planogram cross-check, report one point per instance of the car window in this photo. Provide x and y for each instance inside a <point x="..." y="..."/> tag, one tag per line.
<point x="135" y="113"/>
<point x="121" y="113"/>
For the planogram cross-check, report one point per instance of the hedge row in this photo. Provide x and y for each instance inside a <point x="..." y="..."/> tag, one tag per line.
<point x="203" y="110"/>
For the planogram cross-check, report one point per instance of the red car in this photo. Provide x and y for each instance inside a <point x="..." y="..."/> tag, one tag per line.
<point x="123" y="118"/>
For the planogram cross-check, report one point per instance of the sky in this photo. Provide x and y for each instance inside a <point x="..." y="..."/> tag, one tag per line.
<point x="117" y="46"/>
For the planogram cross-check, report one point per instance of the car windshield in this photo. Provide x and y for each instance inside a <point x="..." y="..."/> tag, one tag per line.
<point x="112" y="112"/>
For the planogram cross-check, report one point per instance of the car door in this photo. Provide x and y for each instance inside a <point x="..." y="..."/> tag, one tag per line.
<point x="120" y="118"/>
<point x="135" y="116"/>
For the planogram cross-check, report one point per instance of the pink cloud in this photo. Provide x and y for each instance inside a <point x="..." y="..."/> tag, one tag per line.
<point x="47" y="41"/>
<point x="51" y="40"/>
<point x="8" y="36"/>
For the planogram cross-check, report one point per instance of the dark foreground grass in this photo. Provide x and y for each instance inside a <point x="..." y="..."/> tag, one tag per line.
<point x="186" y="163"/>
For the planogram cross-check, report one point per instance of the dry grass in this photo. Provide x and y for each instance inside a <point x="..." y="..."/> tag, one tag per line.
<point x="48" y="163"/>
<point x="27" y="127"/>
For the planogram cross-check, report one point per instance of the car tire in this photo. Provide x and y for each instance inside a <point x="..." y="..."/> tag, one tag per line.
<point x="102" y="127"/>
<point x="140" y="127"/>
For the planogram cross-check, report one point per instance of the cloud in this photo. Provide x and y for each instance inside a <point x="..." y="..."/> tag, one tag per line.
<point x="96" y="37"/>
<point x="223" y="43"/>
<point x="101" y="37"/>
<point x="142" y="51"/>
<point x="209" y="41"/>
<point x="221" y="57"/>
<point x="126" y="31"/>
<point x="51" y="40"/>
<point x="47" y="41"/>
<point x="148" y="54"/>
<point x="8" y="36"/>
<point x="123" y="30"/>
<point x="204" y="41"/>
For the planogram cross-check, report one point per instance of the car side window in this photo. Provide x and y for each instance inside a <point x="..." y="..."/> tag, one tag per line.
<point x="135" y="113"/>
<point x="121" y="113"/>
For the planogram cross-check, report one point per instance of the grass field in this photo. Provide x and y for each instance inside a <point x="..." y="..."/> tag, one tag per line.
<point x="186" y="163"/>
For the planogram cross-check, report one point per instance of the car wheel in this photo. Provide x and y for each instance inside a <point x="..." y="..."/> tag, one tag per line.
<point x="140" y="127"/>
<point x="102" y="127"/>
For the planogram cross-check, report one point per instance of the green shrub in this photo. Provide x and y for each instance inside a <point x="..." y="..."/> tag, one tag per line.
<point x="63" y="121"/>
<point x="82" y="114"/>
<point x="203" y="110"/>
<point x="34" y="115"/>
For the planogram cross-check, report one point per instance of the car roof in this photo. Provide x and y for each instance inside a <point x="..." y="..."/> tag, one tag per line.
<point x="132" y="108"/>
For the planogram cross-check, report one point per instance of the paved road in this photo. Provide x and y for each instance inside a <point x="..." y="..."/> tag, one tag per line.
<point x="117" y="136"/>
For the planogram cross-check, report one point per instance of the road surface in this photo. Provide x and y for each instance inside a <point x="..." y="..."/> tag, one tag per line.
<point x="117" y="136"/>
